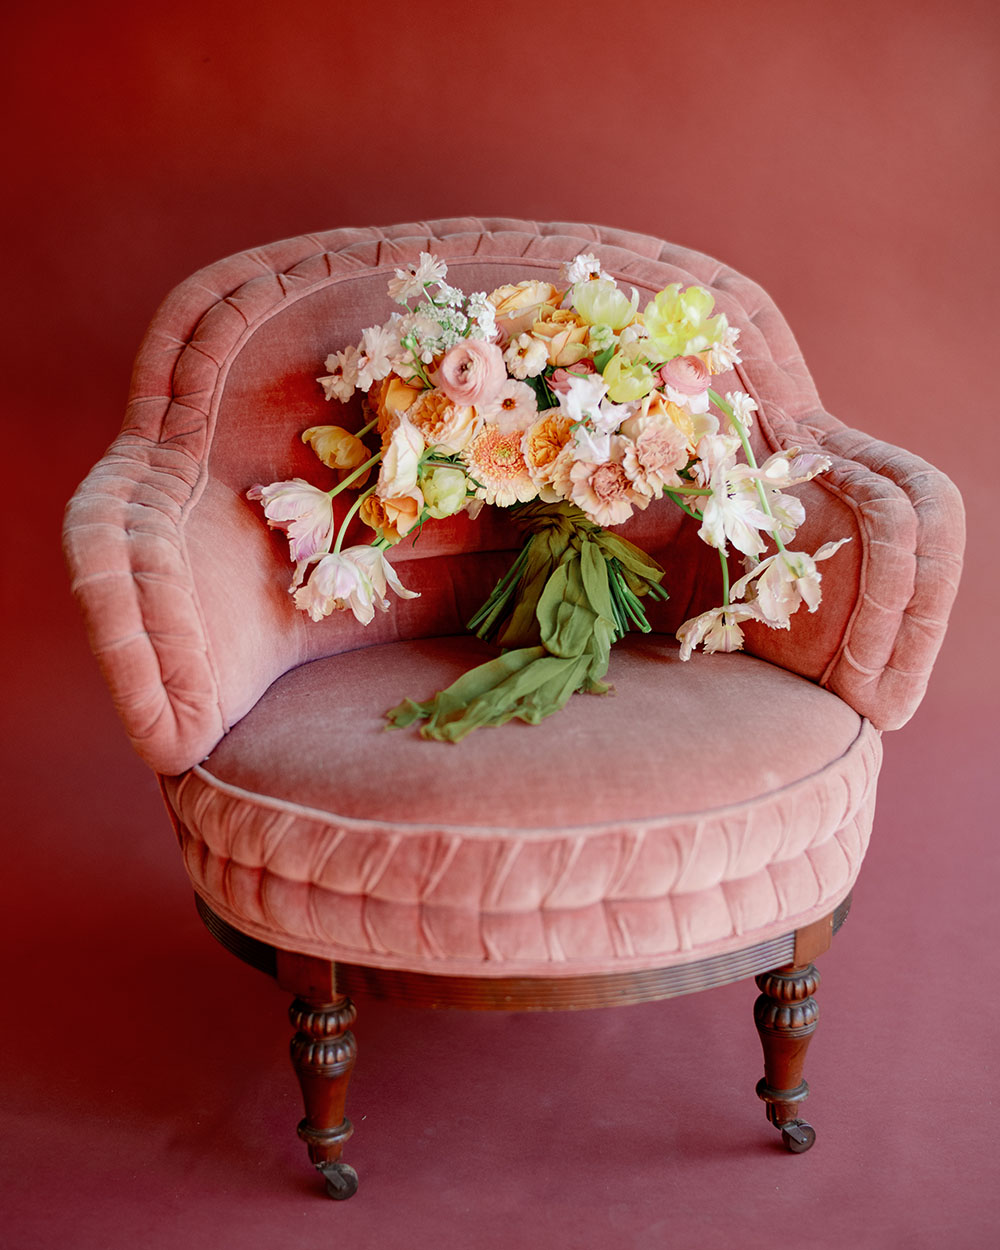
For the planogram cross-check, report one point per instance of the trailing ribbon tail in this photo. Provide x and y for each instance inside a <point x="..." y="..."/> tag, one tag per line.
<point x="573" y="591"/>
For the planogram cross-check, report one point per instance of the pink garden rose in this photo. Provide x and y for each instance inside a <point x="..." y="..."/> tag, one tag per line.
<point x="559" y="380"/>
<point x="472" y="372"/>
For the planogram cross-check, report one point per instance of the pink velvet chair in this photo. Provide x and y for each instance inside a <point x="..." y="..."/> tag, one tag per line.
<point x="705" y="824"/>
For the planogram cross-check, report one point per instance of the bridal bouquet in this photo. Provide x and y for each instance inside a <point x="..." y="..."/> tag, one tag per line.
<point x="570" y="407"/>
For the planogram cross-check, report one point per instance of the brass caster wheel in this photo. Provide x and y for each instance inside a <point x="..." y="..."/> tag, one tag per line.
<point x="341" y="1180"/>
<point x="798" y="1136"/>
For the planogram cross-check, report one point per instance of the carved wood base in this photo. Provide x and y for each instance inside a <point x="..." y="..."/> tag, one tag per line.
<point x="323" y="1049"/>
<point x="786" y="1015"/>
<point x="323" y="1054"/>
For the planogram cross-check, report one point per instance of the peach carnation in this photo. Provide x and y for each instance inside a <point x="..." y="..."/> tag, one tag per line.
<point x="605" y="492"/>
<point x="654" y="453"/>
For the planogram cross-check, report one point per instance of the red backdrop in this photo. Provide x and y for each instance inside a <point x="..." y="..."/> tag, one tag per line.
<point x="842" y="154"/>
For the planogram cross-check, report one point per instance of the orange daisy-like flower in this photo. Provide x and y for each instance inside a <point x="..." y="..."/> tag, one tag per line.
<point x="496" y="463"/>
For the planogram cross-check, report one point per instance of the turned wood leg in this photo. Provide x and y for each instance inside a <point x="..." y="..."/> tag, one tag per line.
<point x="323" y="1054"/>
<point x="786" y="1015"/>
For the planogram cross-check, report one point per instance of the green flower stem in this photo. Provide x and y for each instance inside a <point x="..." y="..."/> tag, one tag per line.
<point x="682" y="505"/>
<point x="352" y="477"/>
<point x="352" y="511"/>
<point x="687" y="490"/>
<point x="725" y="577"/>
<point x="368" y="428"/>
<point x="498" y="598"/>
<point x="751" y="459"/>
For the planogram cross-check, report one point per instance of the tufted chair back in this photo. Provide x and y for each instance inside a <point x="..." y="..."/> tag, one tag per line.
<point x="185" y="591"/>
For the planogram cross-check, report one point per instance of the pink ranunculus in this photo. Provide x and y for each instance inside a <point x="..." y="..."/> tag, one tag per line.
<point x="559" y="380"/>
<point x="472" y="372"/>
<point x="687" y="374"/>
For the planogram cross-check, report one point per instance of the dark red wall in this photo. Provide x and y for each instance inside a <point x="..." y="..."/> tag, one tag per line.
<point x="842" y="154"/>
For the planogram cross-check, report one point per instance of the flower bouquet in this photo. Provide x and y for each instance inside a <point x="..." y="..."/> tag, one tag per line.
<point x="569" y="407"/>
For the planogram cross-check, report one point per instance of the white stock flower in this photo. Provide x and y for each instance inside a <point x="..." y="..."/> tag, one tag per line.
<point x="723" y="355"/>
<point x="342" y="380"/>
<point x="483" y="315"/>
<point x="380" y="346"/>
<point x="410" y="281"/>
<point x="583" y="396"/>
<point x="580" y="267"/>
<point x="743" y="406"/>
<point x="526" y="357"/>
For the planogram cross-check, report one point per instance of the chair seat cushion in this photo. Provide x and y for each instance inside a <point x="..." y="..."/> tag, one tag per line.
<point x="700" y="808"/>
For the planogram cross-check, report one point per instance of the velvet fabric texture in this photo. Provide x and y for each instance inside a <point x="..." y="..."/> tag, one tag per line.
<point x="697" y="805"/>
<point x="306" y="837"/>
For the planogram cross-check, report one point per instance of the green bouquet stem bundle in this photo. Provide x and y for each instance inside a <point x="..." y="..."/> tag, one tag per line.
<point x="573" y="591"/>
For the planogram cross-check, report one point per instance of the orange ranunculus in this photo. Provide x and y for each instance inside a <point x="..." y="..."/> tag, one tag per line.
<point x="564" y="335"/>
<point x="390" y="397"/>
<point x="519" y="305"/>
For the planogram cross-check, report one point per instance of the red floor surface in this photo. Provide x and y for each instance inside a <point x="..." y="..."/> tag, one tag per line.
<point x="842" y="155"/>
<point x="166" y="1119"/>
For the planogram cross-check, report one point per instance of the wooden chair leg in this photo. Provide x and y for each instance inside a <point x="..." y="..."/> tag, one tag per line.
<point x="323" y="1054"/>
<point x="786" y="1015"/>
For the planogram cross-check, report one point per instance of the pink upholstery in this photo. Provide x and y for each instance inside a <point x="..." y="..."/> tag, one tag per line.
<point x="374" y="847"/>
<point x="601" y="836"/>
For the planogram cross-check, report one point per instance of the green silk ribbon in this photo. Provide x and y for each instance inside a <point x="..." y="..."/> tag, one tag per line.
<point x="572" y="592"/>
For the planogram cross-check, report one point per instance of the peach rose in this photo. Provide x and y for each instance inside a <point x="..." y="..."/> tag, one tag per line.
<point x="542" y="444"/>
<point x="518" y="305"/>
<point x="564" y="335"/>
<point x="393" y="518"/>
<point x="445" y="426"/>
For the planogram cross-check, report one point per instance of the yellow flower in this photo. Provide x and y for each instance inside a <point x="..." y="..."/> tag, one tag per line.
<point x="335" y="446"/>
<point x="599" y="301"/>
<point x="678" y="321"/>
<point x="445" y="491"/>
<point x="627" y="380"/>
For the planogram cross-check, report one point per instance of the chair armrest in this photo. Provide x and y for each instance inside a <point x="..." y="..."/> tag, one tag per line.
<point x="887" y="595"/>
